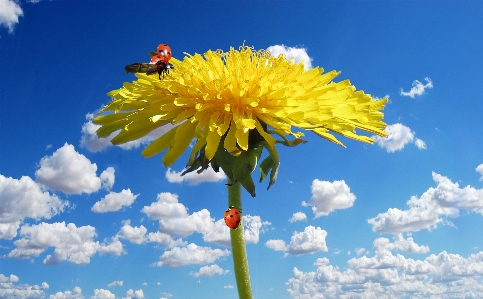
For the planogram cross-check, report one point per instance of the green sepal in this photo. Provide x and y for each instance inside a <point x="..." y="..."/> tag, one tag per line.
<point x="265" y="167"/>
<point x="271" y="163"/>
<point x="195" y="165"/>
<point x="242" y="167"/>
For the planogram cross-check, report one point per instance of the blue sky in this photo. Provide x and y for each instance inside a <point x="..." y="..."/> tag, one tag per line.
<point x="400" y="218"/>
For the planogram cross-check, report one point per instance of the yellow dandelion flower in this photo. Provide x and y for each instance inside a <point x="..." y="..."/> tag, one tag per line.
<point x="221" y="98"/>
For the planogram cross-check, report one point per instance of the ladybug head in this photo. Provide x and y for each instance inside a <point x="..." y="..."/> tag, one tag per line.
<point x="164" y="52"/>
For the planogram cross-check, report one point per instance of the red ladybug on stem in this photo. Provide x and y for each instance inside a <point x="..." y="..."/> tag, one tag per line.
<point x="232" y="217"/>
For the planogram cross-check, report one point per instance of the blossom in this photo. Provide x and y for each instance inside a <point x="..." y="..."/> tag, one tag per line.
<point x="230" y="94"/>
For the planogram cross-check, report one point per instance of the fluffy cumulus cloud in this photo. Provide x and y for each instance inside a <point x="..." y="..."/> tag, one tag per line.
<point x="360" y="251"/>
<point x="219" y="233"/>
<point x="103" y="294"/>
<point x="23" y="198"/>
<point x="386" y="275"/>
<point x="72" y="173"/>
<point x="70" y="243"/>
<point x="298" y="216"/>
<point x="173" y="216"/>
<point x="107" y="178"/>
<point x="9" y="288"/>
<point x="76" y="293"/>
<point x="10" y="11"/>
<point x="175" y="221"/>
<point x="417" y="89"/>
<point x="278" y="245"/>
<point x="311" y="240"/>
<point x="429" y="210"/>
<point x="192" y="254"/>
<point x="199" y="222"/>
<point x="479" y="169"/>
<point x="398" y="136"/>
<point x="166" y="206"/>
<point x="92" y="143"/>
<point x="327" y="197"/>
<point x="194" y="178"/>
<point x="131" y="294"/>
<point x="116" y="283"/>
<point x="139" y="235"/>
<point x="420" y="144"/>
<point x="297" y="54"/>
<point x="401" y="244"/>
<point x="210" y="270"/>
<point x="114" y="201"/>
<point x="134" y="235"/>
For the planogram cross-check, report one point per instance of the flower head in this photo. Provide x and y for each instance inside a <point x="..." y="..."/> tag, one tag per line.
<point x="229" y="99"/>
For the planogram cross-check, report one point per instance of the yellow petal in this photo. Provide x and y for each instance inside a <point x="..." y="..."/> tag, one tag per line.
<point x="160" y="144"/>
<point x="182" y="139"/>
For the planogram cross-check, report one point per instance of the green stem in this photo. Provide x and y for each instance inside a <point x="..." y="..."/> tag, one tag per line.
<point x="238" y="248"/>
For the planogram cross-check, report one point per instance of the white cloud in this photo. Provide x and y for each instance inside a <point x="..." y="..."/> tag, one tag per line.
<point x="399" y="136"/>
<point x="360" y="251"/>
<point x="131" y="294"/>
<point x="10" y="11"/>
<point x="311" y="240"/>
<point x="107" y="178"/>
<point x="116" y="283"/>
<point x="174" y="221"/>
<point x="10" y="289"/>
<point x="210" y="270"/>
<point x="71" y="243"/>
<point x="406" y="245"/>
<point x="392" y="276"/>
<point x="76" y="293"/>
<point x="479" y="169"/>
<point x="427" y="211"/>
<point x="219" y="233"/>
<point x="184" y="226"/>
<point x="70" y="172"/>
<point x="137" y="235"/>
<point x="114" y="201"/>
<point x="167" y="206"/>
<point x="420" y="144"/>
<point x="162" y="238"/>
<point x="20" y="199"/>
<point x="417" y="89"/>
<point x="277" y="245"/>
<point x="327" y="197"/>
<point x="92" y="143"/>
<point x="190" y="255"/>
<point x="194" y="178"/>
<point x="298" y="54"/>
<point x="103" y="294"/>
<point x="133" y="234"/>
<point x="228" y="287"/>
<point x="89" y="139"/>
<point x="298" y="216"/>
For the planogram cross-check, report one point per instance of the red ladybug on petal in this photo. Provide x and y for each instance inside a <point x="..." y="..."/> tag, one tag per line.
<point x="232" y="217"/>
<point x="159" y="63"/>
